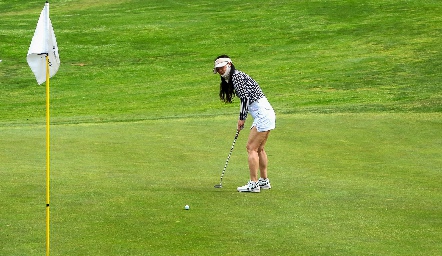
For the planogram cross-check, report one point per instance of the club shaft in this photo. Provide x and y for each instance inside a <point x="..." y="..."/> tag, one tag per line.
<point x="228" y="157"/>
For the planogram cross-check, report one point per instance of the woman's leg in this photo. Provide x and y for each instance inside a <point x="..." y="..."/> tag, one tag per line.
<point x="263" y="158"/>
<point x="257" y="156"/>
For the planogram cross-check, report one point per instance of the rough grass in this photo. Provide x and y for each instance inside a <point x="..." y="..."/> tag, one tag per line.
<point x="333" y="56"/>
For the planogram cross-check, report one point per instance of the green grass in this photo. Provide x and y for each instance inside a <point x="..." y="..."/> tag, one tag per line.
<point x="138" y="132"/>
<point x="343" y="185"/>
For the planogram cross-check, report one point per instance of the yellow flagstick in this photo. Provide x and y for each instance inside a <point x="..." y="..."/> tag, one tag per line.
<point x="44" y="43"/>
<point x="47" y="154"/>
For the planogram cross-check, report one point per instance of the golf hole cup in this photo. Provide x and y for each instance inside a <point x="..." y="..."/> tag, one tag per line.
<point x="186" y="207"/>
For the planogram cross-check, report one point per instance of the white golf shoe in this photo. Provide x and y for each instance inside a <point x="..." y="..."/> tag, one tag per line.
<point x="264" y="183"/>
<point x="251" y="186"/>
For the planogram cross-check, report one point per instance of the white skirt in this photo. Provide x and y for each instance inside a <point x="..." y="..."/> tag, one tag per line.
<point x="264" y="118"/>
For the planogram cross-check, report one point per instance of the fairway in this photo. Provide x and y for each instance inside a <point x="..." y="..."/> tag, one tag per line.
<point x="138" y="131"/>
<point x="343" y="184"/>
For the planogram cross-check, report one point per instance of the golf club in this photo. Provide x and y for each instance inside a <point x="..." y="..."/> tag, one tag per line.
<point x="220" y="185"/>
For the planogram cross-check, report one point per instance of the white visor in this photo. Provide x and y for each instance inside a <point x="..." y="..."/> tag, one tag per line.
<point x="221" y="62"/>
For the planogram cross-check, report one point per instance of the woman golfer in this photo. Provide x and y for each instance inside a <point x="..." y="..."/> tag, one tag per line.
<point x="253" y="101"/>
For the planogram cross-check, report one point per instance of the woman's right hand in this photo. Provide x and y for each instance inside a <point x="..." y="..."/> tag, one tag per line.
<point x="240" y="125"/>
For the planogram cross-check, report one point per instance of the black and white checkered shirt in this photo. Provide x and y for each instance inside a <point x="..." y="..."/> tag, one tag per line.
<point x="247" y="90"/>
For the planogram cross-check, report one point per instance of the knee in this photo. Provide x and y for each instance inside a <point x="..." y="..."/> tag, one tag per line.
<point x="254" y="150"/>
<point x="251" y="149"/>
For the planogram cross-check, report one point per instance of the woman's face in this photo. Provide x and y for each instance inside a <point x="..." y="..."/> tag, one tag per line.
<point x="221" y="70"/>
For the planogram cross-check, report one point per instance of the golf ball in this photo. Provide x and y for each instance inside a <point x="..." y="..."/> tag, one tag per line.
<point x="186" y="207"/>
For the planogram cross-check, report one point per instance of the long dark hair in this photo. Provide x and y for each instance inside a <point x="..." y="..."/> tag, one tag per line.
<point x="226" y="90"/>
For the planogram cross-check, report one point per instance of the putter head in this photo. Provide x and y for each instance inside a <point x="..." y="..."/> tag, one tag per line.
<point x="218" y="186"/>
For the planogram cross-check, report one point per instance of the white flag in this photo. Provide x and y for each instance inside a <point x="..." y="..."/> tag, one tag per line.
<point x="43" y="43"/>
